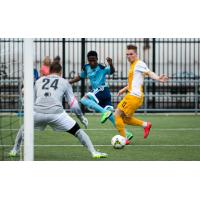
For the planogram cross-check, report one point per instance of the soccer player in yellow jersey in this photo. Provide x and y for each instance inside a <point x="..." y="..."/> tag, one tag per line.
<point x="124" y="114"/>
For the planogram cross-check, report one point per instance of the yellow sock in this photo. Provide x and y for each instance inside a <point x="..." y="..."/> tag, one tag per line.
<point x="120" y="126"/>
<point x="133" y="121"/>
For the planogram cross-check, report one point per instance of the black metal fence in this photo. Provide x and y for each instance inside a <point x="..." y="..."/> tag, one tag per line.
<point x="178" y="58"/>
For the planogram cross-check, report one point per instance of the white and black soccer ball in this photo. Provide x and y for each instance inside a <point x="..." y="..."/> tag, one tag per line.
<point x="118" y="141"/>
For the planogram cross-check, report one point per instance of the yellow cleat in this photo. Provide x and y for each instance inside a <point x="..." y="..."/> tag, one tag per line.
<point x="99" y="155"/>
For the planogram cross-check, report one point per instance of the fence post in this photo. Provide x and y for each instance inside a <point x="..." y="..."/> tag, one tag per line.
<point x="154" y="69"/>
<point x="82" y="64"/>
<point x="145" y="97"/>
<point x="63" y="57"/>
<point x="196" y="97"/>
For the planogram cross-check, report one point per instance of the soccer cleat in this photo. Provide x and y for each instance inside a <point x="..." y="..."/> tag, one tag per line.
<point x="105" y="116"/>
<point x="129" y="135"/>
<point x="12" y="153"/>
<point x="147" y="130"/>
<point x="99" y="155"/>
<point x="127" y="142"/>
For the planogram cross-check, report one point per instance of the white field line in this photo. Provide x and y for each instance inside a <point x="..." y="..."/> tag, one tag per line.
<point x="137" y="114"/>
<point x="153" y="129"/>
<point x="107" y="145"/>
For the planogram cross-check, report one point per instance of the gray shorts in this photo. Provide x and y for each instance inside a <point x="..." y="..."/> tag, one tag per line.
<point x="58" y="122"/>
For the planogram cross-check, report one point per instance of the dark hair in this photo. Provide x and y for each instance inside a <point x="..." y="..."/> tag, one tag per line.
<point x="55" y="67"/>
<point x="132" y="47"/>
<point x="92" y="53"/>
<point x="57" y="58"/>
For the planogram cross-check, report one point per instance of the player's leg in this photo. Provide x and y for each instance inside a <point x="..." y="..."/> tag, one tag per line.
<point x="104" y="98"/>
<point x="106" y="103"/>
<point x="18" y="142"/>
<point x="119" y="115"/>
<point x="136" y="122"/>
<point x="91" y="102"/>
<point x="130" y="107"/>
<point x="109" y="109"/>
<point x="85" y="141"/>
<point x="124" y="109"/>
<point x="63" y="122"/>
<point x="39" y="123"/>
<point x="120" y="126"/>
<point x="128" y="134"/>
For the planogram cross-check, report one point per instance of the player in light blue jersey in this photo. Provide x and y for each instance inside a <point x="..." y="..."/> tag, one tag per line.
<point x="99" y="98"/>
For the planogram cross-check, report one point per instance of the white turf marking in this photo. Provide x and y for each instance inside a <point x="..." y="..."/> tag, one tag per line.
<point x="112" y="129"/>
<point x="108" y="145"/>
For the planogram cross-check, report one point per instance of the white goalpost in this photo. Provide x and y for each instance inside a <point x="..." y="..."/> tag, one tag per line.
<point x="28" y="100"/>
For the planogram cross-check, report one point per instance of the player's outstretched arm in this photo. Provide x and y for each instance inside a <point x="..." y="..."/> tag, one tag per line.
<point x="75" y="108"/>
<point x="74" y="80"/>
<point x="74" y="105"/>
<point x="162" y="78"/>
<point x="122" y="91"/>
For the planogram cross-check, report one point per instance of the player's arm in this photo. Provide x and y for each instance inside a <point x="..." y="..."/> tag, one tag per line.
<point x="74" y="105"/>
<point x="82" y="75"/>
<point x="122" y="91"/>
<point x="162" y="78"/>
<point x="112" y="68"/>
<point x="142" y="67"/>
<point x="74" y="80"/>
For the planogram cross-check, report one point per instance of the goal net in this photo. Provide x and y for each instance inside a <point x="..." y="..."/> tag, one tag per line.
<point x="11" y="99"/>
<point x="13" y="58"/>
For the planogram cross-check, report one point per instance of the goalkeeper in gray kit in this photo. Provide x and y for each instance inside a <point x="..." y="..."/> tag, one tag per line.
<point x="48" y="110"/>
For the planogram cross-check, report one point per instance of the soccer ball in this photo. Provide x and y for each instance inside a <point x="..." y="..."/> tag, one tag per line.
<point x="118" y="141"/>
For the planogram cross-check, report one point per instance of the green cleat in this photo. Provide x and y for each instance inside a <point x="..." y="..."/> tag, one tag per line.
<point x="99" y="155"/>
<point x="105" y="116"/>
<point x="129" y="135"/>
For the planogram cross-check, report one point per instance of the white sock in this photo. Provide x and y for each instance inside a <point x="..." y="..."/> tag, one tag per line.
<point x="144" y="124"/>
<point x="19" y="139"/>
<point x="85" y="140"/>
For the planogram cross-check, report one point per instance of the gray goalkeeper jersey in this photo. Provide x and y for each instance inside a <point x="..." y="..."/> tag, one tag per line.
<point x="49" y="93"/>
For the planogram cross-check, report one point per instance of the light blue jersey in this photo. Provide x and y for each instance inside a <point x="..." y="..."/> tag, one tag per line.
<point x="97" y="75"/>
